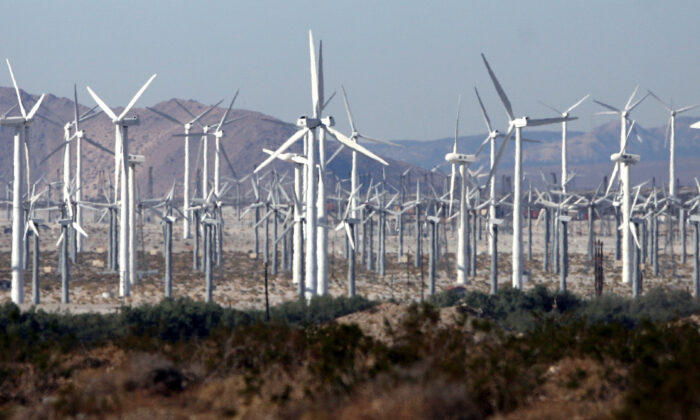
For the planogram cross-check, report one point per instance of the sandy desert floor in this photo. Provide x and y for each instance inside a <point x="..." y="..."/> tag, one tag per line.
<point x="239" y="281"/>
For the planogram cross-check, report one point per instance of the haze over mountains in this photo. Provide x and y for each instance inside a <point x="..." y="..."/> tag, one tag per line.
<point x="589" y="153"/>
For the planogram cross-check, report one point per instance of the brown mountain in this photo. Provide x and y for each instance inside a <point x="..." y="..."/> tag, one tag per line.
<point x="153" y="138"/>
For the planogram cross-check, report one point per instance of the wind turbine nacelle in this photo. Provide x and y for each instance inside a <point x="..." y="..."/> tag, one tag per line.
<point x="136" y="159"/>
<point x="65" y="222"/>
<point x="626" y="158"/>
<point x="520" y="122"/>
<point x="12" y="121"/>
<point x="130" y="121"/>
<point x="496" y="221"/>
<point x="695" y="125"/>
<point x="308" y="122"/>
<point x="460" y="158"/>
<point x="352" y="221"/>
<point x="694" y="218"/>
<point x="565" y="219"/>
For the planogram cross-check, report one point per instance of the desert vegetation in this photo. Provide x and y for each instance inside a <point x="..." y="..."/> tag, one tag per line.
<point x="534" y="354"/>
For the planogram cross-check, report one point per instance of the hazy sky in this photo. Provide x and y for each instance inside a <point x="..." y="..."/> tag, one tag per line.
<point x="403" y="62"/>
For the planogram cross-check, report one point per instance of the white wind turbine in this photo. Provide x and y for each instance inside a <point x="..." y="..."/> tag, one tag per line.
<point x="218" y="135"/>
<point x="309" y="125"/>
<point x="354" y="180"/>
<point x="463" y="161"/>
<point x="297" y="237"/>
<point x="121" y="157"/>
<point x="625" y="160"/>
<point x="77" y="137"/>
<point x="186" y="181"/>
<point x="672" y="142"/>
<point x="491" y="141"/>
<point x="564" y="156"/>
<point x="21" y="124"/>
<point x="516" y="124"/>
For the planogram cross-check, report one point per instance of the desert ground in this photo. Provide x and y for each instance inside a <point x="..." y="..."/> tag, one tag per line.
<point x="239" y="282"/>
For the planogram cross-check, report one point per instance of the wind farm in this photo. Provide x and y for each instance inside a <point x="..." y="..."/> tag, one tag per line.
<point x="330" y="248"/>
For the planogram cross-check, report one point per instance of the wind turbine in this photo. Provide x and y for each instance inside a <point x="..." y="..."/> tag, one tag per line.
<point x="186" y="181"/>
<point x="297" y="237"/>
<point x="564" y="157"/>
<point x="355" y="136"/>
<point x="348" y="223"/>
<point x="21" y="125"/>
<point x="672" y="141"/>
<point x="121" y="124"/>
<point x="625" y="160"/>
<point x="463" y="161"/>
<point x="516" y="124"/>
<point x="77" y="137"/>
<point x="308" y="127"/>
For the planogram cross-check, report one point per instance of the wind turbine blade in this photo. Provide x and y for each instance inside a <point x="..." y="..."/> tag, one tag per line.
<point x="574" y="106"/>
<point x="88" y="115"/>
<point x="35" y="108"/>
<point x="347" y="109"/>
<point x="103" y="106"/>
<point x="14" y="82"/>
<point x="668" y="108"/>
<point x="627" y="138"/>
<point x="686" y="108"/>
<point x="223" y="118"/>
<point x="335" y="154"/>
<point x="166" y="116"/>
<point x="454" y="147"/>
<point x="49" y="120"/>
<point x="546" y="121"/>
<point x="483" y="110"/>
<point x="98" y="145"/>
<point x="499" y="89"/>
<point x="452" y="186"/>
<point x="668" y="131"/>
<point x="201" y="114"/>
<point x="53" y="152"/>
<point x="482" y="145"/>
<point x="550" y="107"/>
<point x="136" y="97"/>
<point x="349" y="233"/>
<point x="320" y="77"/>
<point x="79" y="229"/>
<point x="695" y="125"/>
<point x="387" y="142"/>
<point x="60" y="239"/>
<point x="500" y="154"/>
<point x="185" y="109"/>
<point x="353" y="145"/>
<point x="633" y="230"/>
<point x="629" y="101"/>
<point x="286" y="145"/>
<point x="76" y="117"/>
<point x="612" y="178"/>
<point x="228" y="161"/>
<point x="636" y="104"/>
<point x="325" y="104"/>
<point x="314" y="75"/>
<point x="610" y="107"/>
